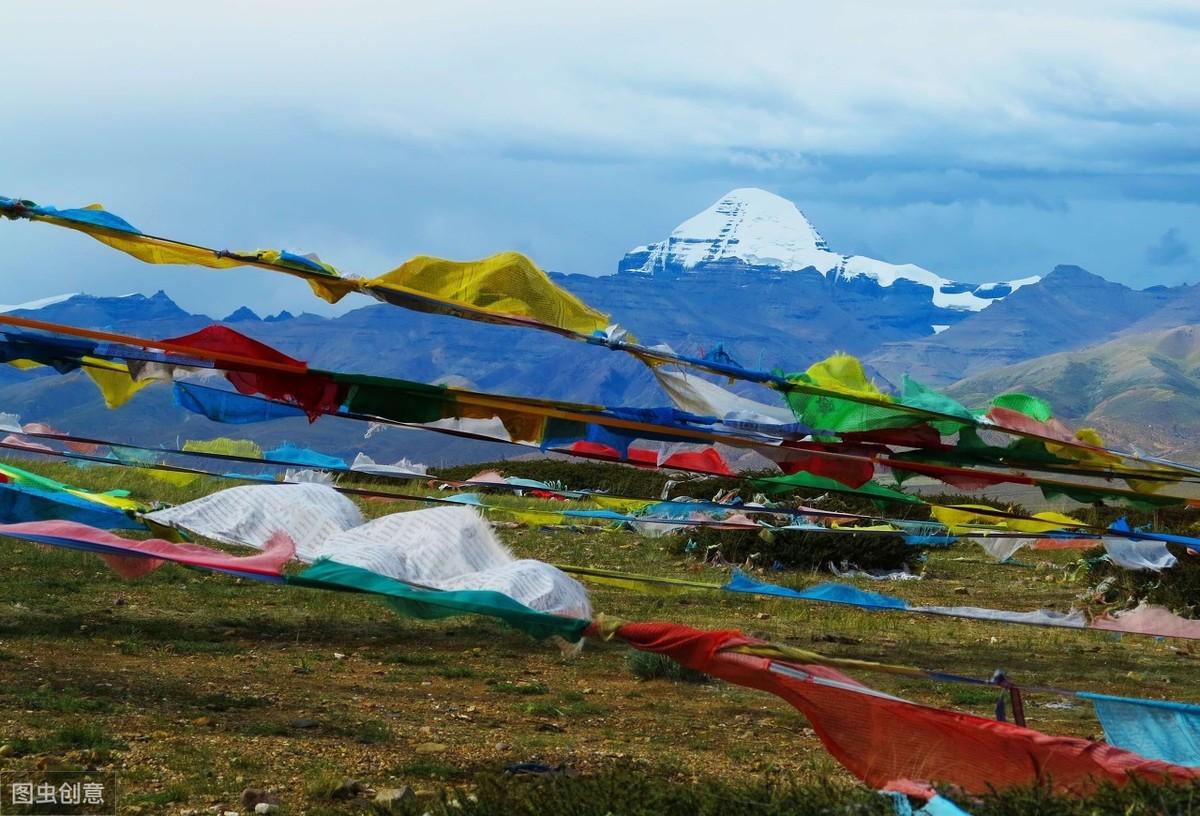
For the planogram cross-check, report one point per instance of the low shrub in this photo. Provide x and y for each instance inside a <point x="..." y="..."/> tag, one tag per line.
<point x="651" y="666"/>
<point x="800" y="549"/>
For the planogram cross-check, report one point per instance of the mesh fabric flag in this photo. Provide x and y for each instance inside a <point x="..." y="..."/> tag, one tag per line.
<point x="880" y="738"/>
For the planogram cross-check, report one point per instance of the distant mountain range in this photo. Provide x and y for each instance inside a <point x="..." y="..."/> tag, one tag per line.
<point x="750" y="275"/>
<point x="1140" y="390"/>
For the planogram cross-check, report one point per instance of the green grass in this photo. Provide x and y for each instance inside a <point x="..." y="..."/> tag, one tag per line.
<point x="659" y="791"/>
<point x="226" y="702"/>
<point x="373" y="733"/>
<point x="431" y="769"/>
<point x="968" y="696"/>
<point x="170" y="796"/>
<point x="650" y="666"/>
<point x="408" y="659"/>
<point x="202" y="647"/>
<point x="520" y="688"/>
<point x="65" y="701"/>
<point x="74" y="736"/>
<point x="99" y="670"/>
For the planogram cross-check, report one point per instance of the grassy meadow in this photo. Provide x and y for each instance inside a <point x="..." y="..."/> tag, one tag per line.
<point x="192" y="686"/>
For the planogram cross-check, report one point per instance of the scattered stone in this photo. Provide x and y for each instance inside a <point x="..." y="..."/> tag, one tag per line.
<point x="231" y="813"/>
<point x="843" y="639"/>
<point x="303" y="723"/>
<point x="266" y="807"/>
<point x="431" y="748"/>
<point x="348" y="789"/>
<point x="390" y="796"/>
<point x="961" y="590"/>
<point x="762" y="615"/>
<point x="502" y="747"/>
<point x="253" y="797"/>
<point x="338" y="656"/>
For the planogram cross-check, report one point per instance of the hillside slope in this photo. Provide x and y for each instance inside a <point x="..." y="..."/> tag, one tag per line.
<point x="1139" y="390"/>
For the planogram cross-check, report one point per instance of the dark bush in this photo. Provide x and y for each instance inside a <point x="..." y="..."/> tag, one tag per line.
<point x="652" y="666"/>
<point x="1177" y="588"/>
<point x="800" y="549"/>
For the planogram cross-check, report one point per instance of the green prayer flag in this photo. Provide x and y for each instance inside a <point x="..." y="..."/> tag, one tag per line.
<point x="1030" y="406"/>
<point x="782" y="484"/>
<point x="431" y="603"/>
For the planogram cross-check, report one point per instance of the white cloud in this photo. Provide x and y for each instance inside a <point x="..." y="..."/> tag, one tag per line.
<point x="1069" y="85"/>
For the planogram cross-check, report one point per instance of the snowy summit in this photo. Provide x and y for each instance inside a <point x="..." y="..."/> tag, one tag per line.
<point x="754" y="229"/>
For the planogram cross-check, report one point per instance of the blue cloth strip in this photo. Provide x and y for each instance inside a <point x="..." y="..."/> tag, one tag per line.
<point x="229" y="406"/>
<point x="1157" y="729"/>
<point x="828" y="592"/>
<point x="19" y="503"/>
<point x="295" y="455"/>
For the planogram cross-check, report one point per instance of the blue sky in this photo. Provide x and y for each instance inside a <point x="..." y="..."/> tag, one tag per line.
<point x="981" y="143"/>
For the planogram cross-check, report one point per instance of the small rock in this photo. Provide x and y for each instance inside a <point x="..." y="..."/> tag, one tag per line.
<point x="253" y="797"/>
<point x="762" y="615"/>
<point x="501" y="747"/>
<point x="430" y="748"/>
<point x="303" y="723"/>
<point x="266" y="807"/>
<point x="349" y="789"/>
<point x="388" y="796"/>
<point x="848" y="641"/>
<point x="231" y="813"/>
<point x="961" y="590"/>
<point x="338" y="656"/>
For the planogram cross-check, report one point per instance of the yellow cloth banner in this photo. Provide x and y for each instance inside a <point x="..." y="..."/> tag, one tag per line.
<point x="959" y="520"/>
<point x="225" y="446"/>
<point x="113" y="380"/>
<point x="507" y="283"/>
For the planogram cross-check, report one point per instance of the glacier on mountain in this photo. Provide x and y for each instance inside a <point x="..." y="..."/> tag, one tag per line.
<point x="752" y="228"/>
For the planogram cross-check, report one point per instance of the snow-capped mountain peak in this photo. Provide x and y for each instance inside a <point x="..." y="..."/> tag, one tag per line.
<point x="37" y="304"/>
<point x="749" y="228"/>
<point x="750" y="225"/>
